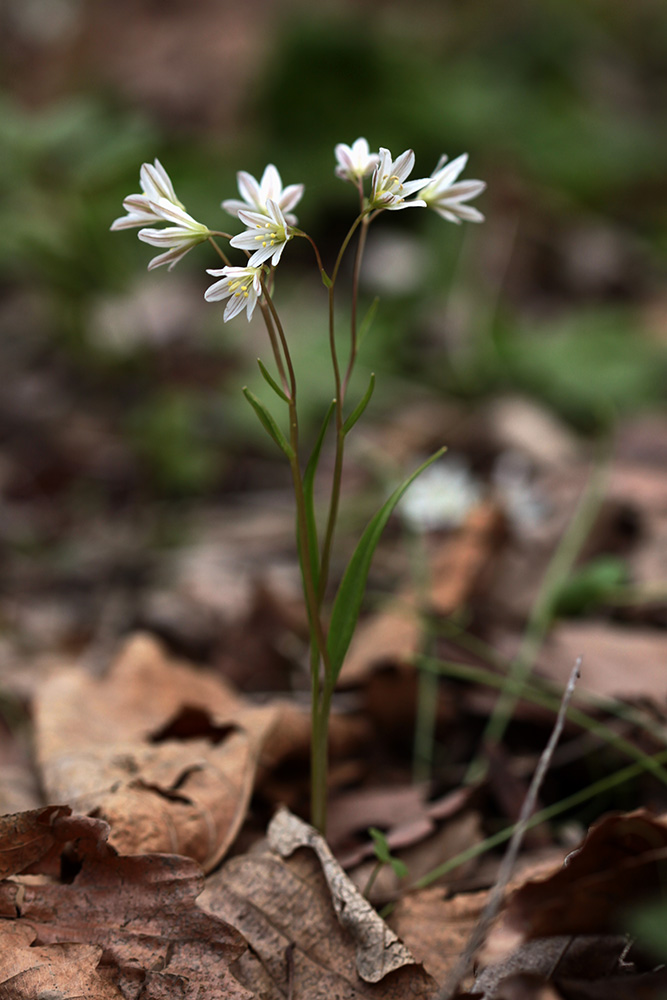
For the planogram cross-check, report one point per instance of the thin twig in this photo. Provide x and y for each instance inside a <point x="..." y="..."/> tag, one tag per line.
<point x="507" y="865"/>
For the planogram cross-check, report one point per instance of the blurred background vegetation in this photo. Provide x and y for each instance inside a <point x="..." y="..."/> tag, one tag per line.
<point x="121" y="385"/>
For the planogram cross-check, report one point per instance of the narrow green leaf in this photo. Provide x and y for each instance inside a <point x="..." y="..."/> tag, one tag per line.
<point x="268" y="423"/>
<point x="367" y="321"/>
<point x="309" y="495"/>
<point x="384" y="855"/>
<point x="271" y="381"/>
<point x="349" y="597"/>
<point x="360" y="407"/>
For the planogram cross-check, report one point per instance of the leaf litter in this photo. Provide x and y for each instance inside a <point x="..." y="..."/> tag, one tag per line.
<point x="178" y="761"/>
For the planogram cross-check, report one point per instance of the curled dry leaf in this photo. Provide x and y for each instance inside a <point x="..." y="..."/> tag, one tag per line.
<point x="140" y="912"/>
<point x="378" y="949"/>
<point x="289" y="910"/>
<point x="620" y="863"/>
<point x="166" y="753"/>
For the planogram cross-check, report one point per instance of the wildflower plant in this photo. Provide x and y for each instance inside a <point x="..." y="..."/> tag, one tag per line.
<point x="265" y="210"/>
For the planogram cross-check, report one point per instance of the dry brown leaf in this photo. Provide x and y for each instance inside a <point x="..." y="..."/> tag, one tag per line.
<point x="618" y="864"/>
<point x="26" y="838"/>
<point x="608" y="650"/>
<point x="435" y="928"/>
<point x="285" y="909"/>
<point x="378" y="950"/>
<point x="166" y="753"/>
<point x="140" y="911"/>
<point x="64" y="971"/>
<point x="561" y="967"/>
<point x="103" y="746"/>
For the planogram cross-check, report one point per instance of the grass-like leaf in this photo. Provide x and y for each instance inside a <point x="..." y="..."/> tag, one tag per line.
<point x="349" y="597"/>
<point x="268" y="423"/>
<point x="360" y="407"/>
<point x="309" y="493"/>
<point x="271" y="381"/>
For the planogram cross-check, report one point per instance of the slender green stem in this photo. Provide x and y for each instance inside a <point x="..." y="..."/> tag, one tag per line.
<point x="277" y="325"/>
<point x="300" y="232"/>
<point x="340" y="388"/>
<point x="217" y="249"/>
<point x="545" y="697"/>
<point x="319" y="656"/>
<point x="275" y="347"/>
<point x="361" y="245"/>
<point x="577" y="798"/>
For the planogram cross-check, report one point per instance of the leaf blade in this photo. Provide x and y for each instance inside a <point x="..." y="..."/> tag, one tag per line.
<point x="268" y="423"/>
<point x="350" y="594"/>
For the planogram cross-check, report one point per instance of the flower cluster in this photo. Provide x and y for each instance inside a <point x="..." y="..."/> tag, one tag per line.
<point x="158" y="203"/>
<point x="265" y="209"/>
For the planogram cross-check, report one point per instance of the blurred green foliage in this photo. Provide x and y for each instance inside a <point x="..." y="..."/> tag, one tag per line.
<point x="560" y="106"/>
<point x="591" y="585"/>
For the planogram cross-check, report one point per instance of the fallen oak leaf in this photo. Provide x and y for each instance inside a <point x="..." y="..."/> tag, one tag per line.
<point x="378" y="949"/>
<point x="284" y="909"/>
<point x="166" y="753"/>
<point x="139" y="910"/>
<point x="67" y="971"/>
<point x="621" y="862"/>
<point x="26" y="837"/>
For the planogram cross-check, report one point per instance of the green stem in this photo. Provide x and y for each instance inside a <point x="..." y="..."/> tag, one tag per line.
<point x="340" y="388"/>
<point x="361" y="245"/>
<point x="318" y="654"/>
<point x="268" y="322"/>
<point x="577" y="798"/>
<point x="217" y="248"/>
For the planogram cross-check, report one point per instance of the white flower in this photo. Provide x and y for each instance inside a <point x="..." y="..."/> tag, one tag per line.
<point x="446" y="198"/>
<point x="266" y="235"/>
<point x="355" y="161"/>
<point x="179" y="238"/>
<point x="389" y="187"/>
<point x="257" y="194"/>
<point x="156" y="185"/>
<point x="441" y="497"/>
<point x="241" y="285"/>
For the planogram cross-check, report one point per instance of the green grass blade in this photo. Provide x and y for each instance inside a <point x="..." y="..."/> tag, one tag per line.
<point x="367" y="321"/>
<point x="360" y="407"/>
<point x="349" y="597"/>
<point x="268" y="423"/>
<point x="271" y="381"/>
<point x="309" y="496"/>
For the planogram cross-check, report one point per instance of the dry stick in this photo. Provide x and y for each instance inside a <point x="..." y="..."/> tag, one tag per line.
<point x="495" y="898"/>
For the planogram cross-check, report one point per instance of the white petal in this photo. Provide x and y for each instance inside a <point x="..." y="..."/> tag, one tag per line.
<point x="448" y="174"/>
<point x="254" y="219"/>
<point x="234" y="206"/>
<point x="171" y="257"/>
<point x="249" y="188"/>
<point x="464" y="190"/>
<point x="172" y="213"/>
<point x="261" y="255"/>
<point x="217" y="291"/>
<point x="271" y="184"/>
<point x="170" y="237"/>
<point x="403" y="165"/>
<point x="415" y="203"/>
<point x="290" y="197"/>
<point x="246" y="241"/>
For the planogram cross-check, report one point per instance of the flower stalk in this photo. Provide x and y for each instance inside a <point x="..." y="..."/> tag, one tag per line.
<point x="266" y="211"/>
